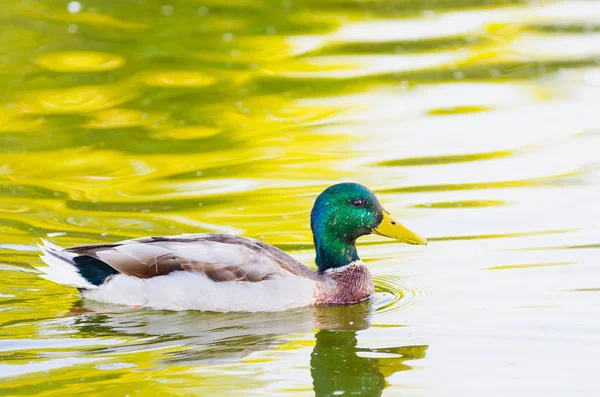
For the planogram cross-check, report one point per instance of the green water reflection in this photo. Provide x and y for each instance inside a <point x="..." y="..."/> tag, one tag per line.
<point x="339" y="366"/>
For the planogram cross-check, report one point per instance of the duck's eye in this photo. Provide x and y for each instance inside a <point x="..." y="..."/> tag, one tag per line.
<point x="358" y="202"/>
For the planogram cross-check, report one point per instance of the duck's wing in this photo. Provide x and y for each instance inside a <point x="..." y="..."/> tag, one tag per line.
<point x="220" y="257"/>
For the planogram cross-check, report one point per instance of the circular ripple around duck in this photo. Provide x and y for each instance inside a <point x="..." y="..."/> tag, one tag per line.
<point x="392" y="295"/>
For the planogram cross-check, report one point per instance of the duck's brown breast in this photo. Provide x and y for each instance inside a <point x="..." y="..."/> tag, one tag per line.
<point x="350" y="284"/>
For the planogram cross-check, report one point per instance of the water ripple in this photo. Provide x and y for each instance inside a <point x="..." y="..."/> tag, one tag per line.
<point x="392" y="295"/>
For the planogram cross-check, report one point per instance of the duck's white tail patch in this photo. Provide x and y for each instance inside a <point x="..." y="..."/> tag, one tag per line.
<point x="61" y="267"/>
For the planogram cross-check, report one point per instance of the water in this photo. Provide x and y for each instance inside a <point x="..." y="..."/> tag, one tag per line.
<point x="474" y="121"/>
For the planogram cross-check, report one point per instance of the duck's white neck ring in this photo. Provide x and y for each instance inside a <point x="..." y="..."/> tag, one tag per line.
<point x="357" y="263"/>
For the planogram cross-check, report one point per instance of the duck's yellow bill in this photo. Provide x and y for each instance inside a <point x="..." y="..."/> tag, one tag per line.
<point x="389" y="227"/>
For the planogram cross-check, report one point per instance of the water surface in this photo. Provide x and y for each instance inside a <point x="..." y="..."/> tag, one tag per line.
<point x="475" y="122"/>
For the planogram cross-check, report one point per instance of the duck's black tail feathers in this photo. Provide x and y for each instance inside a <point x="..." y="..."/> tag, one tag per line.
<point x="71" y="269"/>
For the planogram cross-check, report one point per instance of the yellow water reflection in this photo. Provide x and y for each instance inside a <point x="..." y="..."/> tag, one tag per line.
<point x="80" y="61"/>
<point x="73" y="100"/>
<point x="178" y="79"/>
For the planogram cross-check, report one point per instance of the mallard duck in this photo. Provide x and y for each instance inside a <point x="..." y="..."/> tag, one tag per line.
<point x="221" y="272"/>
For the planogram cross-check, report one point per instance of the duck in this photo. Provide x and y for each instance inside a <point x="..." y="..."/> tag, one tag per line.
<point x="230" y="273"/>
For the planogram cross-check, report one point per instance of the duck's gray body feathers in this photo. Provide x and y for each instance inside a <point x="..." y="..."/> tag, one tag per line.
<point x="220" y="257"/>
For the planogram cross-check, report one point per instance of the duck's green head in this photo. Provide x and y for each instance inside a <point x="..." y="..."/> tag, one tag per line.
<point x="343" y="213"/>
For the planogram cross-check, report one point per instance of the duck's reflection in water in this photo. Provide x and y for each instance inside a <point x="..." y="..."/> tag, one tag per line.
<point x="338" y="365"/>
<point x="200" y="337"/>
